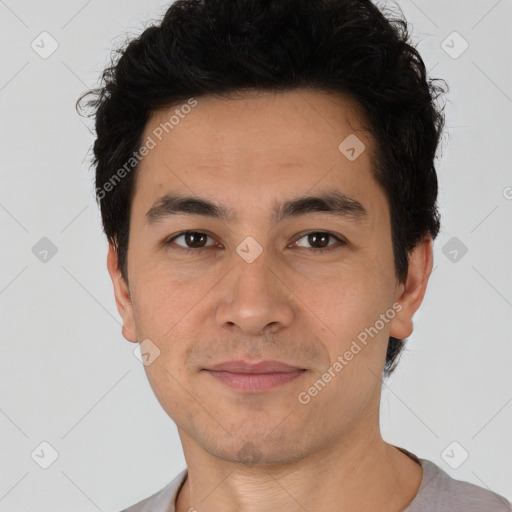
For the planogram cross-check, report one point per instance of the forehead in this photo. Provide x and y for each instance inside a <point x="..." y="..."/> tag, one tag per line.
<point x="258" y="122"/>
<point x="249" y="148"/>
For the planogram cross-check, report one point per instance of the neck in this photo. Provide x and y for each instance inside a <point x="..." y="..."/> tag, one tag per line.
<point x="357" y="474"/>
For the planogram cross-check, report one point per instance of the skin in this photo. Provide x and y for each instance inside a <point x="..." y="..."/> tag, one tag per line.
<point x="290" y="304"/>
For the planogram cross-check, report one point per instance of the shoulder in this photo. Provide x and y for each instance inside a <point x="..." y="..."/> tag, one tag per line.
<point x="163" y="500"/>
<point x="441" y="492"/>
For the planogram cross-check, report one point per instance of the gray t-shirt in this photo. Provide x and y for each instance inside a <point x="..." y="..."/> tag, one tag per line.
<point x="438" y="492"/>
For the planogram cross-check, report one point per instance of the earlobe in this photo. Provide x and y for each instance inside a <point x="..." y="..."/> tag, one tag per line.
<point x="122" y="296"/>
<point x="410" y="294"/>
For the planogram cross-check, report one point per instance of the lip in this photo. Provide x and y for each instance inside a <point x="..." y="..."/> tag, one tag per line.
<point x="254" y="382"/>
<point x="253" y="377"/>
<point x="267" y="366"/>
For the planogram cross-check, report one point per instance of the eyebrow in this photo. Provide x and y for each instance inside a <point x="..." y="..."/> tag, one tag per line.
<point x="332" y="202"/>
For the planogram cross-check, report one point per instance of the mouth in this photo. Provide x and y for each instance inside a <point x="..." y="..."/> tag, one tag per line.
<point x="247" y="377"/>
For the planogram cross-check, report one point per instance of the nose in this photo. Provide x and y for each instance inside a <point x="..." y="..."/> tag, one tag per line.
<point x="254" y="298"/>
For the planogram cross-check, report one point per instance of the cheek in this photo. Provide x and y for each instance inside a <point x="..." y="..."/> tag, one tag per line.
<point x="344" y="293"/>
<point x="165" y="384"/>
<point x="167" y="313"/>
<point x="164" y="296"/>
<point x="346" y="307"/>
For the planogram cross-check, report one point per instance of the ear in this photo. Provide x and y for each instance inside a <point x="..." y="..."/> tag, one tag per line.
<point x="410" y="294"/>
<point x="122" y="295"/>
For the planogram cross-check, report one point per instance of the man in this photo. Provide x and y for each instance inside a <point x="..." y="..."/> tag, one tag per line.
<point x="265" y="171"/>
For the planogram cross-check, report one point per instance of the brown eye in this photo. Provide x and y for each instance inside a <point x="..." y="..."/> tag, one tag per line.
<point x="320" y="241"/>
<point x="193" y="240"/>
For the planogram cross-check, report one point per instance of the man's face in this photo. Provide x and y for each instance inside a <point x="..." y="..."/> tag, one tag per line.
<point x="295" y="302"/>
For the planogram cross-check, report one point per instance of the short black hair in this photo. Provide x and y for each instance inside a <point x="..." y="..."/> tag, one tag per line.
<point x="219" y="47"/>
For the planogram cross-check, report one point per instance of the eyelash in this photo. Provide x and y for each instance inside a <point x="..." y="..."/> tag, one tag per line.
<point x="328" y="249"/>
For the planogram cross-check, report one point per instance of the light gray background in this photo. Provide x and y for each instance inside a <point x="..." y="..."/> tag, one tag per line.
<point x="69" y="378"/>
